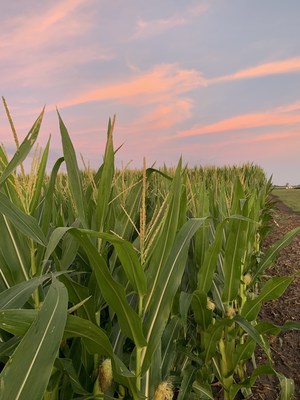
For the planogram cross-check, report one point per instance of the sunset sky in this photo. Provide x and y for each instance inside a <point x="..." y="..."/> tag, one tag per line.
<point x="217" y="81"/>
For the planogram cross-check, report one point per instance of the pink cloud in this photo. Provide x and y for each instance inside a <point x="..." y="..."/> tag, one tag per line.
<point x="163" y="83"/>
<point x="238" y="149"/>
<point x="39" y="71"/>
<point x="242" y="122"/>
<point x="167" y="115"/>
<point x="36" y="46"/>
<point x="266" y="69"/>
<point x="35" y="30"/>
<point x="156" y="27"/>
<point x="289" y="107"/>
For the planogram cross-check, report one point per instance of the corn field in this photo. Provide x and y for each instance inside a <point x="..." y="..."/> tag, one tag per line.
<point x="133" y="284"/>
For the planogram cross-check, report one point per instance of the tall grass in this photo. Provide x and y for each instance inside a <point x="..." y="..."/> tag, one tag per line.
<point x="133" y="284"/>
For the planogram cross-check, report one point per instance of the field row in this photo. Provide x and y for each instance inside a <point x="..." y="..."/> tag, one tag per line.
<point x="133" y="284"/>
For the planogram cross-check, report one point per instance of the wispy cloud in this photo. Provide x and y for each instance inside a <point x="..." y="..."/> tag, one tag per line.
<point x="166" y="116"/>
<point x="42" y="67"/>
<point x="34" y="30"/>
<point x="266" y="69"/>
<point x="43" y="41"/>
<point x="162" y="83"/>
<point x="280" y="116"/>
<point x="150" y="28"/>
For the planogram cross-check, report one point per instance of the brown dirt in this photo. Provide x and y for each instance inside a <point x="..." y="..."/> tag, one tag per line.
<point x="286" y="346"/>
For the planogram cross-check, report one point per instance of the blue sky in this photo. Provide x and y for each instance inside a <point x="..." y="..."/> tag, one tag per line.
<point x="217" y="82"/>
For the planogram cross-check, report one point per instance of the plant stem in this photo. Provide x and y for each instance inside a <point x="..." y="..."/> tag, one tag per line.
<point x="36" y="297"/>
<point x="139" y="350"/>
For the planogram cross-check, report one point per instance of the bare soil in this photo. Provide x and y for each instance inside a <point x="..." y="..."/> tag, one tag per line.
<point x="286" y="346"/>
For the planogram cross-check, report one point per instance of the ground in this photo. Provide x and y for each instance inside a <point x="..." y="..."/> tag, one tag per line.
<point x="285" y="347"/>
<point x="290" y="197"/>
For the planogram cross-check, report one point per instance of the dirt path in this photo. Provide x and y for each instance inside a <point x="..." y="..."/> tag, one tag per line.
<point x="285" y="347"/>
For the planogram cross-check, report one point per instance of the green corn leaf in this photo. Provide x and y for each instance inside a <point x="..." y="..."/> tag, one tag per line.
<point x="17" y="295"/>
<point x="129" y="261"/>
<point x="166" y="287"/>
<point x="253" y="333"/>
<point x="265" y="327"/>
<point x="14" y="257"/>
<point x="23" y="150"/>
<point x="235" y="248"/>
<point x="273" y="289"/>
<point x="66" y="366"/>
<point x="207" y="269"/>
<point x="164" y="242"/>
<point x="201" y="210"/>
<point x="291" y="325"/>
<point x="69" y="249"/>
<point x="112" y="291"/>
<point x="243" y="351"/>
<point x="73" y="173"/>
<point x="94" y="338"/>
<point x="17" y="322"/>
<point x="211" y="337"/>
<point x="97" y="342"/>
<point x="202" y="315"/>
<point x="203" y="391"/>
<point x="189" y="375"/>
<point x="36" y="353"/>
<point x="23" y="222"/>
<point x="47" y="210"/>
<point x="77" y="294"/>
<point x="287" y="387"/>
<point x="273" y="251"/>
<point x="168" y="344"/>
<point x="249" y="382"/>
<point x="8" y="347"/>
<point x="185" y="300"/>
<point x="124" y="249"/>
<point x="105" y="183"/>
<point x="39" y="179"/>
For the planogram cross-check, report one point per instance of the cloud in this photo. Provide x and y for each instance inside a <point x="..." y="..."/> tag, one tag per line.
<point x="290" y="65"/>
<point x="38" y="46"/>
<point x="42" y="67"/>
<point x="156" y="27"/>
<point x="155" y="123"/>
<point x="167" y="115"/>
<point x="145" y="29"/>
<point x="242" y="122"/>
<point x="34" y="30"/>
<point x="161" y="84"/>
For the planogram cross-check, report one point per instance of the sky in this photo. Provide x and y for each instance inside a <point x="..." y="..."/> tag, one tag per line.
<point x="216" y="81"/>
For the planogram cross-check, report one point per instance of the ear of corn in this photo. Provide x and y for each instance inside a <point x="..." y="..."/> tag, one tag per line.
<point x="157" y="271"/>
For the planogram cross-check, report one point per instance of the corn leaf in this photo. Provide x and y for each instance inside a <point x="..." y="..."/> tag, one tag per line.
<point x="166" y="288"/>
<point x="39" y="179"/>
<point x="23" y="150"/>
<point x="17" y="295"/>
<point x="164" y="242"/>
<point x="37" y="351"/>
<point x="23" y="222"/>
<point x="273" y="251"/>
<point x="73" y="172"/>
<point x="235" y="248"/>
<point x="105" y="183"/>
<point x="112" y="291"/>
<point x="273" y="289"/>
